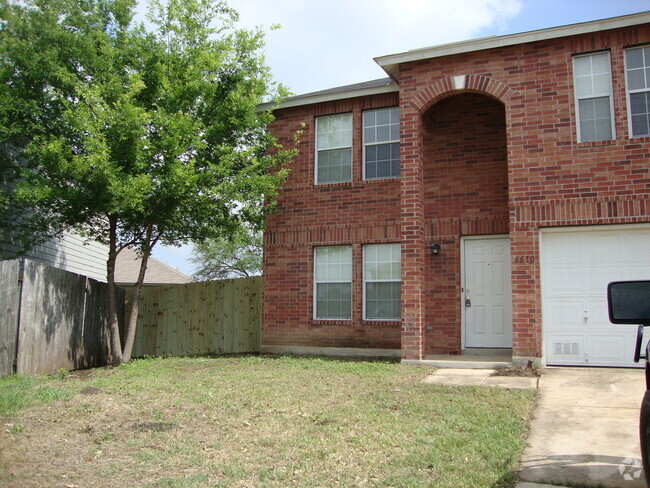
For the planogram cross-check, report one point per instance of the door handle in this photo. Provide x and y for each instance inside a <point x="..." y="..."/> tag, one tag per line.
<point x="468" y="302"/>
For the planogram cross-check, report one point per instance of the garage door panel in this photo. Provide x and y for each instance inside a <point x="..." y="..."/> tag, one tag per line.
<point x="597" y="278"/>
<point x="607" y="348"/>
<point x="563" y="279"/>
<point x="598" y="247"/>
<point x="570" y="250"/>
<point x="598" y="314"/>
<point x="637" y="272"/>
<point x="636" y="244"/>
<point x="565" y="313"/>
<point x="576" y="266"/>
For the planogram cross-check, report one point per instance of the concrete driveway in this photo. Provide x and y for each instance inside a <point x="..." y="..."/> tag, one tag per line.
<point x="585" y="429"/>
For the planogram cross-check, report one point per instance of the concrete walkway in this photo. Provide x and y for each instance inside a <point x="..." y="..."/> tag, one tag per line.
<point x="479" y="377"/>
<point x="585" y="429"/>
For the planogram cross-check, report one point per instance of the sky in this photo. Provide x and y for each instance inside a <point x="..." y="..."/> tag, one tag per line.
<point x="328" y="43"/>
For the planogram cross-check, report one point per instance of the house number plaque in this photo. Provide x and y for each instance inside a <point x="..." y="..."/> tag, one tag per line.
<point x="525" y="259"/>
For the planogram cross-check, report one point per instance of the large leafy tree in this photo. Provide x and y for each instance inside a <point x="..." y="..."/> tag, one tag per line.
<point x="133" y="135"/>
<point x="237" y="257"/>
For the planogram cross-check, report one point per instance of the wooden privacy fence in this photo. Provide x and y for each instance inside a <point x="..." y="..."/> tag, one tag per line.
<point x="212" y="317"/>
<point x="51" y="319"/>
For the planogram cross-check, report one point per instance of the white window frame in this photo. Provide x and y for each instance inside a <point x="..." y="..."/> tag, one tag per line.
<point x="319" y="149"/>
<point x="366" y="281"/>
<point x="577" y="99"/>
<point x="316" y="283"/>
<point x="366" y="144"/>
<point x="629" y="92"/>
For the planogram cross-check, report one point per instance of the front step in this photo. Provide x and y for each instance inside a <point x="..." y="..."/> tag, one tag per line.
<point x="464" y="363"/>
<point x="469" y="359"/>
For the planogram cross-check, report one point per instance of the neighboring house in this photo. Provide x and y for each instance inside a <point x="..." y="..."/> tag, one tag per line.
<point x="70" y="253"/>
<point x="78" y="255"/>
<point x="482" y="196"/>
<point x="127" y="269"/>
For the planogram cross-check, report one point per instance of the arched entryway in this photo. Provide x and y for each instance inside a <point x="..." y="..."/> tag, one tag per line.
<point x="466" y="211"/>
<point x="455" y="194"/>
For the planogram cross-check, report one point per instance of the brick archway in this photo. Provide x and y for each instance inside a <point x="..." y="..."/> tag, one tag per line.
<point x="415" y="232"/>
<point x="452" y="85"/>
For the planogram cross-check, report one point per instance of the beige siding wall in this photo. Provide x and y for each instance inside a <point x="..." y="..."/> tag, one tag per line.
<point x="70" y="253"/>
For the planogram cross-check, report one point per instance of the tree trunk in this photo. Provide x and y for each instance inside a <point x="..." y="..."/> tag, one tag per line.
<point x="116" y="345"/>
<point x="135" y="306"/>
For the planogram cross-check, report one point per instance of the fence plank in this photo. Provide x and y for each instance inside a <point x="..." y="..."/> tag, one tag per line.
<point x="63" y="320"/>
<point x="9" y="300"/>
<point x="51" y="319"/>
<point x="200" y="318"/>
<point x="96" y="329"/>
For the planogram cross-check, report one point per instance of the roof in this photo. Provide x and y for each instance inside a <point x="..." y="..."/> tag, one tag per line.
<point x="127" y="269"/>
<point x="390" y="63"/>
<point x="374" y="87"/>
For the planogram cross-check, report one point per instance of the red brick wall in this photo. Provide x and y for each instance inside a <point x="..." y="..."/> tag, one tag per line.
<point x="552" y="179"/>
<point x="455" y="183"/>
<point x="309" y="215"/>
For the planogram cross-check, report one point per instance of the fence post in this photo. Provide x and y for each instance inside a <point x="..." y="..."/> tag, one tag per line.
<point x="9" y="305"/>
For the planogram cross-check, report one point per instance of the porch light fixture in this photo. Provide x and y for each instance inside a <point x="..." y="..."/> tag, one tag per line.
<point x="435" y="249"/>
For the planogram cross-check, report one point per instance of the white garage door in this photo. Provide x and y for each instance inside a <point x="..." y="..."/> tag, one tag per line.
<point x="576" y="265"/>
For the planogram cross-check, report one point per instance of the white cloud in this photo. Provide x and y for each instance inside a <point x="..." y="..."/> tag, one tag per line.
<point x="329" y="43"/>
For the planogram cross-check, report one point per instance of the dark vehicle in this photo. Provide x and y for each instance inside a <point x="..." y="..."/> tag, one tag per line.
<point x="629" y="303"/>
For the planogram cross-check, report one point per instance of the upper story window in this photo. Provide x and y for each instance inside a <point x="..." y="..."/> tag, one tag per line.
<point x="334" y="149"/>
<point x="637" y="75"/>
<point x="381" y="143"/>
<point x="593" y="91"/>
<point x="382" y="281"/>
<point x="333" y="282"/>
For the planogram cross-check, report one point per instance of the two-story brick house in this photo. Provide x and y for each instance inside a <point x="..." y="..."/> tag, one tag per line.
<point x="482" y="196"/>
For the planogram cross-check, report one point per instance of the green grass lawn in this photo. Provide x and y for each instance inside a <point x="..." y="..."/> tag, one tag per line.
<point x="250" y="421"/>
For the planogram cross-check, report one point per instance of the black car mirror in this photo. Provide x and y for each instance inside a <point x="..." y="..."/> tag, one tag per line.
<point x="629" y="302"/>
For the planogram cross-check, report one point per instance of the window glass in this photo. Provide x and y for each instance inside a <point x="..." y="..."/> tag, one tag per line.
<point x="634" y="58"/>
<point x="640" y="113"/>
<point x="382" y="281"/>
<point x="333" y="282"/>
<point x="381" y="143"/>
<point x="637" y="74"/>
<point x="593" y="91"/>
<point x="334" y="148"/>
<point x="334" y="165"/>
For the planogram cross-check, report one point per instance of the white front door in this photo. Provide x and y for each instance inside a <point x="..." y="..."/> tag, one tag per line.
<point x="487" y="292"/>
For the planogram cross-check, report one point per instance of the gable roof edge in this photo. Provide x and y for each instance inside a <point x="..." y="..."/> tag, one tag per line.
<point x="390" y="63"/>
<point x="374" y="87"/>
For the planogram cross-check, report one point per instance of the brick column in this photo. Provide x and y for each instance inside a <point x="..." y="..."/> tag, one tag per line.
<point x="526" y="293"/>
<point x="413" y="235"/>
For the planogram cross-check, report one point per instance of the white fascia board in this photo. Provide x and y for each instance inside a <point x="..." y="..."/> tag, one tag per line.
<point x="391" y="62"/>
<point x="328" y="97"/>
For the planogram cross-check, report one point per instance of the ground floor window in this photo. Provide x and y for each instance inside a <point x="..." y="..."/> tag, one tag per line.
<point x="382" y="281"/>
<point x="333" y="282"/>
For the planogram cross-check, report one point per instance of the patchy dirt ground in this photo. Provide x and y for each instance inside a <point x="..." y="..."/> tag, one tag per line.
<point x="251" y="423"/>
<point x="529" y="371"/>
